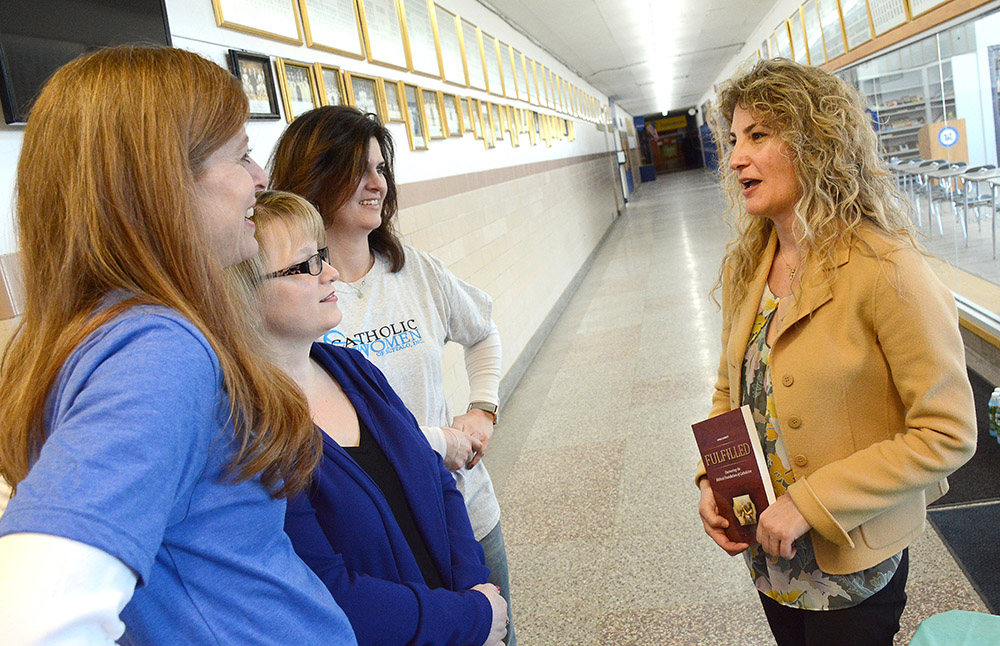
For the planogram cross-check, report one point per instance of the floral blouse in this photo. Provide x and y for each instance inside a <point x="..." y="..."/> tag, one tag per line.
<point x="798" y="582"/>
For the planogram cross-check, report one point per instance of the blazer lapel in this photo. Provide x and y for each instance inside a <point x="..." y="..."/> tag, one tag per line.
<point x="814" y="291"/>
<point x="746" y="313"/>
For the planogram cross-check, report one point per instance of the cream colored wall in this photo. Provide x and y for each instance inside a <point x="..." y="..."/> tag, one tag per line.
<point x="522" y="241"/>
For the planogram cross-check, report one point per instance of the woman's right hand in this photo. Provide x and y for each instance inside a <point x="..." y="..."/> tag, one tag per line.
<point x="715" y="524"/>
<point x="461" y="448"/>
<point x="499" y="628"/>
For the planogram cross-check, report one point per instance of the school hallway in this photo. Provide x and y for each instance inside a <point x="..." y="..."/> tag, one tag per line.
<point x="593" y="458"/>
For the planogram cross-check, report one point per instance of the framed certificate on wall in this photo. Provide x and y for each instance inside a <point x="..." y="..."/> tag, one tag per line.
<point x="450" y="59"/>
<point x="382" y="26"/>
<point x="833" y="32"/>
<point x="491" y="56"/>
<point x="918" y="7"/>
<point x="333" y="26"/>
<point x="798" y="35"/>
<point x="273" y="19"/>
<point x="814" y="33"/>
<point x="508" y="70"/>
<point x="475" y="72"/>
<point x="886" y="14"/>
<point x="857" y="29"/>
<point x="420" y="41"/>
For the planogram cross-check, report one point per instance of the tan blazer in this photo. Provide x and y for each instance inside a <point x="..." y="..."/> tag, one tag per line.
<point x="871" y="392"/>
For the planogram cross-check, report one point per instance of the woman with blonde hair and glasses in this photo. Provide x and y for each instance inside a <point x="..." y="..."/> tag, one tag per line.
<point x="382" y="523"/>
<point x="845" y="346"/>
<point x="149" y="447"/>
<point x="401" y="306"/>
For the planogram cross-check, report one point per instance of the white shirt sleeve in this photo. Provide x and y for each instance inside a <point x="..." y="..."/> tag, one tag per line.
<point x="435" y="435"/>
<point x="482" y="362"/>
<point x="57" y="591"/>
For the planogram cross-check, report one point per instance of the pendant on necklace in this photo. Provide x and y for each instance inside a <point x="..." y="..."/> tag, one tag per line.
<point x="791" y="276"/>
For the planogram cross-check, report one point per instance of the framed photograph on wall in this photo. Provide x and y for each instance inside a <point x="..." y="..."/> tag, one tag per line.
<point x="453" y="115"/>
<point x="362" y="93"/>
<point x="416" y="127"/>
<point x="530" y="73"/>
<point x="273" y="19"/>
<point x="798" y="36"/>
<point x="468" y="115"/>
<point x="521" y="71"/>
<point x="475" y="71"/>
<point x="254" y="72"/>
<point x="382" y="26"/>
<point x="450" y="59"/>
<point x="333" y="26"/>
<point x="489" y="136"/>
<point x="298" y="87"/>
<point x="435" y="114"/>
<point x="331" y="84"/>
<point x="392" y="97"/>
<point x="886" y="14"/>
<point x="496" y="122"/>
<point x="421" y="46"/>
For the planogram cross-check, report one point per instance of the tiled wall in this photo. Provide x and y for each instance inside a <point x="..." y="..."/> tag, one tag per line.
<point x="519" y="234"/>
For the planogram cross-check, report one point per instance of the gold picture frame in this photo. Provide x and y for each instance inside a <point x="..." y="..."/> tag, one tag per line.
<point x="447" y="34"/>
<point x="383" y="29"/>
<point x="856" y="21"/>
<point x="508" y="72"/>
<point x="422" y="55"/>
<point x="496" y="121"/>
<point x="532" y="74"/>
<point x="434" y="114"/>
<point x="834" y="40"/>
<point x="271" y="19"/>
<point x="363" y="94"/>
<point x="472" y="56"/>
<point x="491" y="63"/>
<point x="453" y="114"/>
<point x="468" y="115"/>
<point x="297" y="82"/>
<point x="327" y="26"/>
<point x="486" y="119"/>
<point x="416" y="126"/>
<point x="392" y="100"/>
<point x="330" y="81"/>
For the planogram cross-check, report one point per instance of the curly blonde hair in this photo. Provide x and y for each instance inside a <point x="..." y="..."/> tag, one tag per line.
<point x="843" y="180"/>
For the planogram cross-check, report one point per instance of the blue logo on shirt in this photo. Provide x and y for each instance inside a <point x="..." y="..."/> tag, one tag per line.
<point x="381" y="341"/>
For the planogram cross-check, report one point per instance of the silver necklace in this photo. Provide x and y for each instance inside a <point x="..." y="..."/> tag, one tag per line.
<point x="359" y="289"/>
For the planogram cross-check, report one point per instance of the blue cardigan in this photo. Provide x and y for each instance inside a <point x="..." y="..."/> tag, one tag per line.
<point x="343" y="529"/>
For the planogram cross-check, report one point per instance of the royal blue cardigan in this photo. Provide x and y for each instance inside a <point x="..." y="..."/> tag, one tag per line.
<point x="343" y="528"/>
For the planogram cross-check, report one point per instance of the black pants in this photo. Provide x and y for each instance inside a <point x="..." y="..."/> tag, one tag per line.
<point x="873" y="622"/>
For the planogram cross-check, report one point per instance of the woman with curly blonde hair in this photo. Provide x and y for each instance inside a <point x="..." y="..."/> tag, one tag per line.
<point x="845" y="346"/>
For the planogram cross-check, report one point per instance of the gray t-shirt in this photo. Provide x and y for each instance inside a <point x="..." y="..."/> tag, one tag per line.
<point x="401" y="322"/>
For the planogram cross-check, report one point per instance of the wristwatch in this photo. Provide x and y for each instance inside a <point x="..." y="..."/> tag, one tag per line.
<point x="487" y="407"/>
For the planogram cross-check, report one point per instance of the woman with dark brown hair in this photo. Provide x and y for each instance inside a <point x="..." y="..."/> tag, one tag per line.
<point x="149" y="447"/>
<point x="400" y="305"/>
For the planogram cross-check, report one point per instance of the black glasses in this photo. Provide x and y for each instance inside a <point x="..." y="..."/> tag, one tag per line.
<point x="313" y="265"/>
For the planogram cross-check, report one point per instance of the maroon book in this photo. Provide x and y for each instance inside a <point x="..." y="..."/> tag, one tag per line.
<point x="734" y="461"/>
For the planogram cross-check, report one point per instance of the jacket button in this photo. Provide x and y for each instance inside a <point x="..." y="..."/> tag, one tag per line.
<point x="800" y="460"/>
<point x="794" y="422"/>
<point x="787" y="380"/>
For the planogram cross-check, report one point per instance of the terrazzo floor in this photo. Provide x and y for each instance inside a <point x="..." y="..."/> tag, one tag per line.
<point x="593" y="458"/>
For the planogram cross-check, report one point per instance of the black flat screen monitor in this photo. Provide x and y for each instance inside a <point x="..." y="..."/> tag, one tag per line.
<point x="39" y="36"/>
